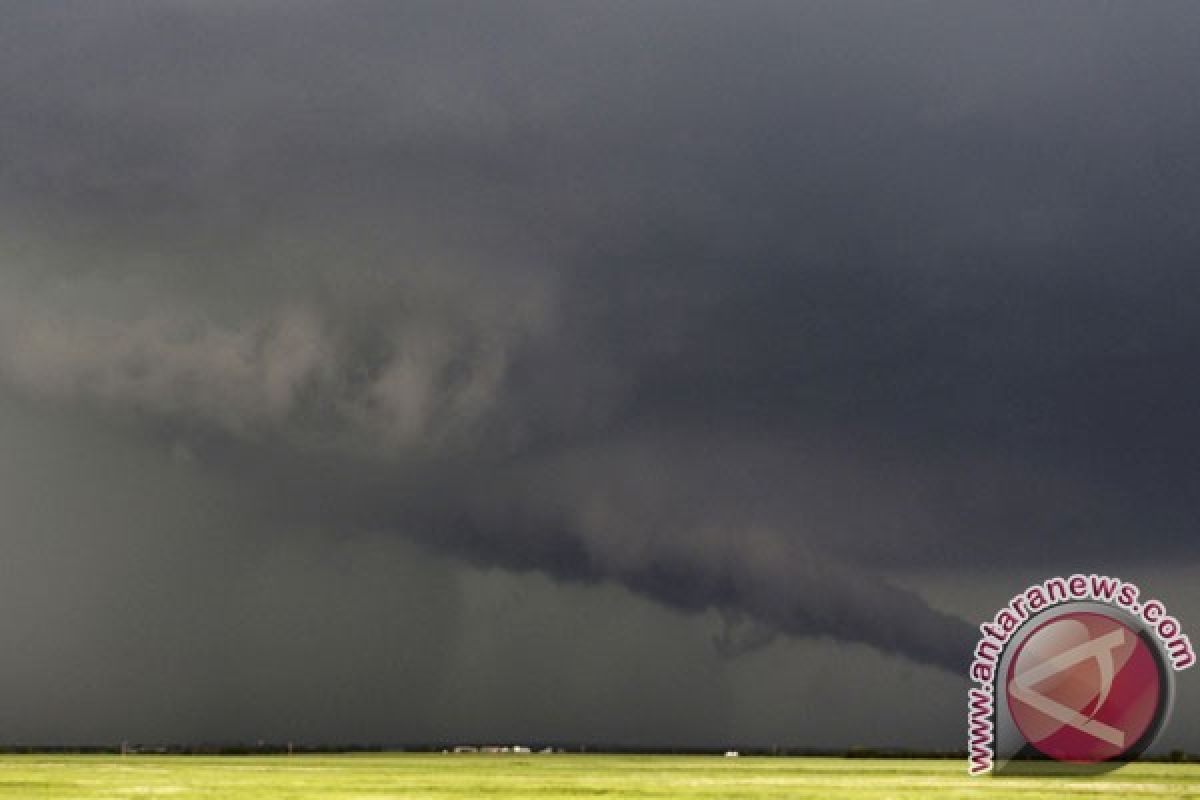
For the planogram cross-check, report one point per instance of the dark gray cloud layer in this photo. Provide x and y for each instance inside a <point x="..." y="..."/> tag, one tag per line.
<point x="753" y="310"/>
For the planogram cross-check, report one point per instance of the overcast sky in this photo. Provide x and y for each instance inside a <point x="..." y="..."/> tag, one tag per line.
<point x="655" y="373"/>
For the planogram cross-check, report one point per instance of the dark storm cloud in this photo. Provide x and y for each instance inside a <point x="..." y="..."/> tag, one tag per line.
<point x="740" y="308"/>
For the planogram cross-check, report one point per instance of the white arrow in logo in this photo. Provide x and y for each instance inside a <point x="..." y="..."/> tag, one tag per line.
<point x="1101" y="649"/>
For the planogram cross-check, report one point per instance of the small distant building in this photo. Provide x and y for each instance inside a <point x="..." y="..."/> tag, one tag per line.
<point x="493" y="749"/>
<point x="732" y="754"/>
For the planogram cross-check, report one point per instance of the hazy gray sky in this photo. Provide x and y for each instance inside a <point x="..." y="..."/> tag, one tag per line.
<point x="676" y="373"/>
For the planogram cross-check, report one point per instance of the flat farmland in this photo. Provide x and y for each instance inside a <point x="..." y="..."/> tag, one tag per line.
<point x="548" y="777"/>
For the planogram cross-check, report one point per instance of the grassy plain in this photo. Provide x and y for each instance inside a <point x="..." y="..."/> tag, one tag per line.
<point x="547" y="777"/>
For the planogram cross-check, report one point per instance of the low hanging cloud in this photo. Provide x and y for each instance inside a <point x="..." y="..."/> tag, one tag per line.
<point x="294" y="379"/>
<point x="419" y="378"/>
<point x="235" y="378"/>
<point x="750" y="312"/>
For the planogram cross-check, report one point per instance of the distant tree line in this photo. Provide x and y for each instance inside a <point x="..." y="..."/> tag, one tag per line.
<point x="284" y="748"/>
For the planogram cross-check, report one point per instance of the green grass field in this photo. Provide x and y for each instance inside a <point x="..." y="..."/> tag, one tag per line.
<point x="452" y="777"/>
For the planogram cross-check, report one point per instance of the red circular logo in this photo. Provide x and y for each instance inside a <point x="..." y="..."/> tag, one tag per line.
<point x="1084" y="687"/>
